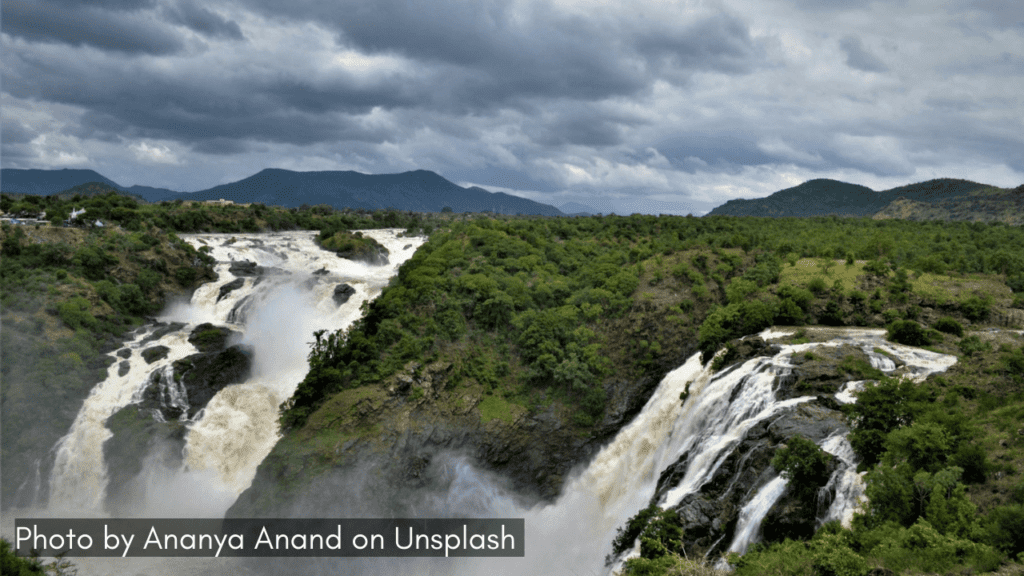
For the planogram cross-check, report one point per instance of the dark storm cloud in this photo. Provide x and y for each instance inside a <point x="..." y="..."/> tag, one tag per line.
<point x="858" y="57"/>
<point x="579" y="130"/>
<point x="985" y="14"/>
<point x="192" y="108"/>
<point x="503" y="54"/>
<point x="718" y="149"/>
<point x="14" y="132"/>
<point x="113" y="5"/>
<point x="499" y="177"/>
<point x="220" y="146"/>
<point x="78" y="25"/>
<point x="720" y="42"/>
<point x="203" y="21"/>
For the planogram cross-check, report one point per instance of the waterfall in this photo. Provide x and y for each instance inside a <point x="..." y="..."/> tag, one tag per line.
<point x="276" y="307"/>
<point x="667" y="454"/>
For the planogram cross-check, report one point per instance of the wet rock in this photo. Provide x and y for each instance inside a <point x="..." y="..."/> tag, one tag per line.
<point x="810" y="420"/>
<point x="162" y="330"/>
<point x="230" y="287"/>
<point x="321" y="272"/>
<point x="136" y="436"/>
<point x="124" y="353"/>
<point x="342" y="292"/>
<point x="203" y="375"/>
<point x="123" y="367"/>
<point x="154" y="353"/>
<point x="210" y="338"/>
<point x="245" y="268"/>
<point x="375" y="255"/>
<point x="789" y="518"/>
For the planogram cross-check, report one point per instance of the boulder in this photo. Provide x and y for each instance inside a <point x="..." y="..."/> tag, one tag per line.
<point x="154" y="353"/>
<point x="342" y="292"/>
<point x="230" y="287"/>
<point x="209" y="338"/>
<point x="245" y="268"/>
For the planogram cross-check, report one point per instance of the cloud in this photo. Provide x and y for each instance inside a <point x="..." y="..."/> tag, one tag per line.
<point x="201" y="20"/>
<point x="153" y="154"/>
<point x="859" y="58"/>
<point x="78" y="25"/>
<point x="690" y="102"/>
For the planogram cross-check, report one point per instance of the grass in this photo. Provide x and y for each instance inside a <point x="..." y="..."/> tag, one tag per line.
<point x="496" y="407"/>
<point x="807" y="269"/>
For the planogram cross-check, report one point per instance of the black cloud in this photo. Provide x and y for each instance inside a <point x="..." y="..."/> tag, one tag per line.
<point x="85" y="26"/>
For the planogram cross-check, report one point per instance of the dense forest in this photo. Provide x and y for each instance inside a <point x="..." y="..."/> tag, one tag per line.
<point x="528" y="314"/>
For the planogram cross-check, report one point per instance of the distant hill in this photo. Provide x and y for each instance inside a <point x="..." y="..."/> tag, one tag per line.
<point x="95" y="189"/>
<point x="941" y="199"/>
<point x="812" y="198"/>
<point x="419" y="190"/>
<point x="987" y="204"/>
<point x="47" y="182"/>
<point x="577" y="209"/>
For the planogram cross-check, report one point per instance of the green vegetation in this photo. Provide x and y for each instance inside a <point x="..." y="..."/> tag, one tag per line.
<point x="351" y="245"/>
<point x="805" y="466"/>
<point x="510" y="316"/>
<point x="13" y="565"/>
<point x="944" y="494"/>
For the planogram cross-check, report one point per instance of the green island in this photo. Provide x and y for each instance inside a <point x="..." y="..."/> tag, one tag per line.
<point x="497" y="318"/>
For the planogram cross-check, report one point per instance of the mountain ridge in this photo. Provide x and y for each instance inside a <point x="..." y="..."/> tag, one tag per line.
<point x="936" y="199"/>
<point x="417" y="190"/>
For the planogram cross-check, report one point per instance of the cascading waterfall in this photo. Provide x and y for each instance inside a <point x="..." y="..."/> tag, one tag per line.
<point x="276" y="308"/>
<point x="576" y="531"/>
<point x="277" y="311"/>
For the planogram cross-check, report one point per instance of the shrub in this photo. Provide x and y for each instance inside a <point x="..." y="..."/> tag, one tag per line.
<point x="832" y="315"/>
<point x="805" y="465"/>
<point x="789" y="313"/>
<point x="907" y="332"/>
<point x="976" y="308"/>
<point x="800" y="296"/>
<point x="971" y="345"/>
<point x="1005" y="529"/>
<point x="817" y="285"/>
<point x="879" y="410"/>
<point x="876" y="267"/>
<point x="949" y="326"/>
<point x="76" y="313"/>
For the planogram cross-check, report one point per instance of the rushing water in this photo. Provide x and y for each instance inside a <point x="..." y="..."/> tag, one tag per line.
<point x="277" y="313"/>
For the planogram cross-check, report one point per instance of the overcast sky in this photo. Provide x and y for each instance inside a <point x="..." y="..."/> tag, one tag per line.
<point x="652" y="106"/>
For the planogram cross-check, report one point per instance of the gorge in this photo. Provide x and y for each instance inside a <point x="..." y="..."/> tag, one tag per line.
<point x="701" y="444"/>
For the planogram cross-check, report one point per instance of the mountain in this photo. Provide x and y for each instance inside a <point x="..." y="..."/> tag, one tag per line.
<point x="812" y="198"/>
<point x="940" y="199"/>
<point x="94" y="189"/>
<point x="418" y="191"/>
<point x="986" y="204"/>
<point x="577" y="209"/>
<point x="46" y="182"/>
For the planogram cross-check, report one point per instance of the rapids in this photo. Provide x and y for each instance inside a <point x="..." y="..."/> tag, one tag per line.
<point x="278" y="309"/>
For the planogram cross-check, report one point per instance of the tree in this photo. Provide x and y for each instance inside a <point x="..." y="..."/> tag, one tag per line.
<point x="805" y="465"/>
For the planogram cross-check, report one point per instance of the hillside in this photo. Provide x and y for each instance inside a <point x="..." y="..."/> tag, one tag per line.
<point x="418" y="191"/>
<point x="987" y="204"/>
<point x="820" y="197"/>
<point x="530" y="342"/>
<point x="944" y="199"/>
<point x="46" y="182"/>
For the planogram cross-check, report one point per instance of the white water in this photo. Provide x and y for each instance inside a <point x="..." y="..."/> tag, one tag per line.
<point x="237" y="429"/>
<point x="231" y="436"/>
